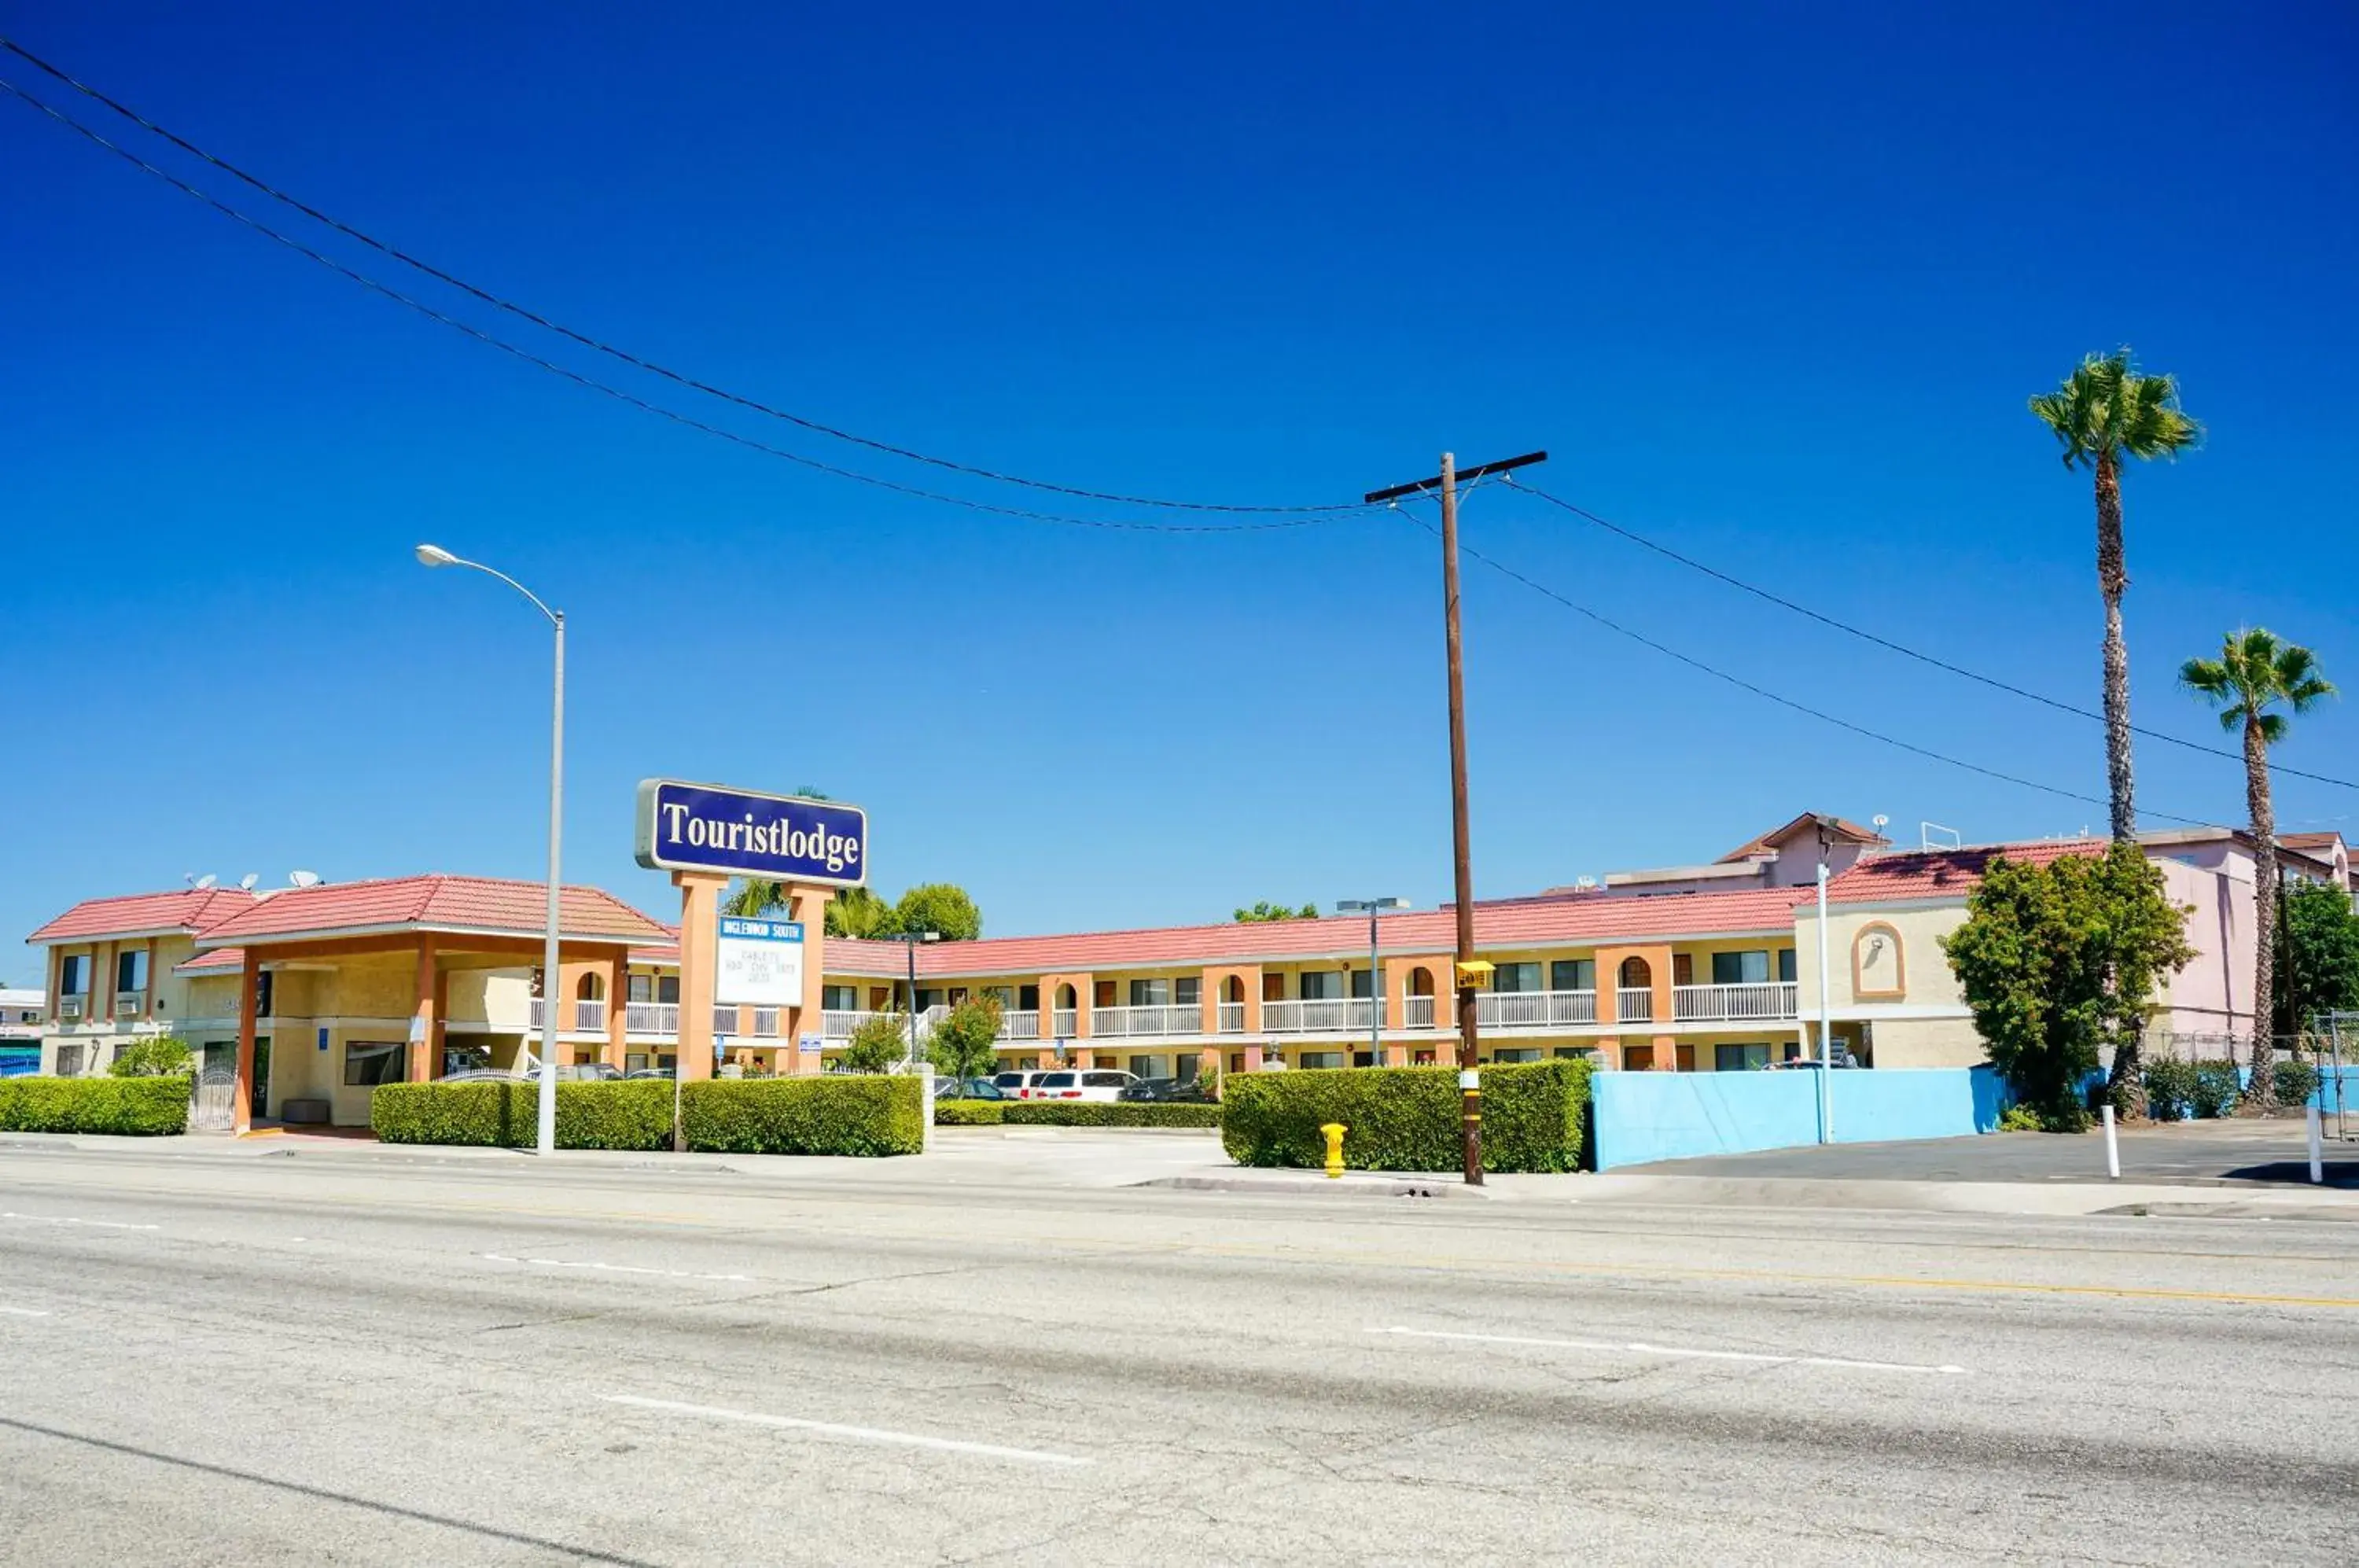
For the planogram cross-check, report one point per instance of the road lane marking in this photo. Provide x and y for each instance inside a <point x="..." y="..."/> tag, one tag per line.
<point x="54" y="1219"/>
<point x="22" y="1312"/>
<point x="616" y="1268"/>
<point x="855" y="1434"/>
<point x="1637" y="1347"/>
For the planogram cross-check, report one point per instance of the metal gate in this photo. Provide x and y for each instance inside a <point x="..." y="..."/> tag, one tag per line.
<point x="214" y="1106"/>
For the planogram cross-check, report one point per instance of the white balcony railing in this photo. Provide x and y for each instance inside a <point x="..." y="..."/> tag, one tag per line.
<point x="726" y="1021"/>
<point x="1019" y="1023"/>
<point x="1752" y="1000"/>
<point x="1064" y="1021"/>
<point x="1162" y="1020"/>
<point x="1233" y="1018"/>
<point x="1327" y="1015"/>
<point x="1420" y="1012"/>
<point x="837" y="1023"/>
<point x="1535" y="1009"/>
<point x="765" y="1023"/>
<point x="588" y="1018"/>
<point x="651" y="1017"/>
<point x="1634" y="1005"/>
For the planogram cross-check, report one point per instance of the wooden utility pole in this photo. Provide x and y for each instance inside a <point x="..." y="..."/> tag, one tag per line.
<point x="1465" y="975"/>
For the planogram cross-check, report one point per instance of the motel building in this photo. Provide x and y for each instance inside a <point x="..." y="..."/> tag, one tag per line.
<point x="1711" y="967"/>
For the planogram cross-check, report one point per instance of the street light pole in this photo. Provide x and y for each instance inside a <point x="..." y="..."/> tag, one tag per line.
<point x="1375" y="973"/>
<point x="545" y="1141"/>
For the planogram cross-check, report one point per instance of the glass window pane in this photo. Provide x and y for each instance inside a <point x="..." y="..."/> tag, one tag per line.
<point x="1516" y="977"/>
<point x="1785" y="965"/>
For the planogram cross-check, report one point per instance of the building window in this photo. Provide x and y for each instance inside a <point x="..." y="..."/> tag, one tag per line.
<point x="929" y="996"/>
<point x="1741" y="968"/>
<point x="1188" y="990"/>
<point x="1518" y="1053"/>
<point x="1027" y="999"/>
<point x="131" y="970"/>
<point x="263" y="992"/>
<point x="839" y="998"/>
<point x="69" y="1060"/>
<point x="1323" y="986"/>
<point x="1575" y="1053"/>
<point x="1572" y="975"/>
<point x="1785" y="965"/>
<point x="74" y="974"/>
<point x="1322" y="1058"/>
<point x="1363" y="984"/>
<point x="1739" y="1058"/>
<point x="642" y="988"/>
<point x="635" y="1061"/>
<point x="1516" y="977"/>
<point x="668" y="988"/>
<point x="368" y="1062"/>
<point x="1150" y="993"/>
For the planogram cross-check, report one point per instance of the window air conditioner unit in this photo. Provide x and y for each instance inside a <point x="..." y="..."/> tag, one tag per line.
<point x="127" y="1007"/>
<point x="68" y="1007"/>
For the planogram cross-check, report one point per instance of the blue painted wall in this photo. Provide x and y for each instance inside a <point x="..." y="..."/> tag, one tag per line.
<point x="1643" y="1116"/>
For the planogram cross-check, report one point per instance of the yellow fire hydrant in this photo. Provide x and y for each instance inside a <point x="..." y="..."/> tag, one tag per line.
<point x="1334" y="1135"/>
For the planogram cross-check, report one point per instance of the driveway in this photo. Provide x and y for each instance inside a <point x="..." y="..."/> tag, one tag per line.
<point x="2207" y="1153"/>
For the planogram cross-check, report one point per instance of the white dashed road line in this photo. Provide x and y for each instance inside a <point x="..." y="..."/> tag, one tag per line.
<point x="615" y="1268"/>
<point x="855" y="1434"/>
<point x="1636" y="1347"/>
<point x="54" y="1219"/>
<point x="22" y="1312"/>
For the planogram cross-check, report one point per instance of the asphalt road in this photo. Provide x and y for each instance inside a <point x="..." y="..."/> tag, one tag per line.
<point x="369" y="1358"/>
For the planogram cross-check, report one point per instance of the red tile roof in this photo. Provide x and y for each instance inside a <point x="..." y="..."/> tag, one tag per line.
<point x="1942" y="873"/>
<point x="132" y="914"/>
<point x="1835" y="825"/>
<point x="473" y="904"/>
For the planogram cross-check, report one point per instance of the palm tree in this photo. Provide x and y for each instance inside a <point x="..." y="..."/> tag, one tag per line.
<point x="2254" y="674"/>
<point x="2104" y="410"/>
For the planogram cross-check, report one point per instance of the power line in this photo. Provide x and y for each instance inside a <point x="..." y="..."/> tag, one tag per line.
<point x="625" y="355"/>
<point x="1784" y="702"/>
<point x="617" y="393"/>
<point x="1902" y="648"/>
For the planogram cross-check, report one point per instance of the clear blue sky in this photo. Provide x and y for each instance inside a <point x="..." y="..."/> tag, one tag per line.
<point x="1775" y="292"/>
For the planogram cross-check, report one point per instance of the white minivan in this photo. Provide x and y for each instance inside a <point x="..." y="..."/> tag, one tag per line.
<point x="1080" y="1083"/>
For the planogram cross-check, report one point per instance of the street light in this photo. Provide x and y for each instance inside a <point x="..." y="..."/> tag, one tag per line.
<point x="546" y="1143"/>
<point x="1372" y="908"/>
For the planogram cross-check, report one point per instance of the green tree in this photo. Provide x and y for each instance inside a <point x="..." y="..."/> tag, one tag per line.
<point x="2318" y="949"/>
<point x="1265" y="911"/>
<point x="966" y="1044"/>
<point x="879" y="1043"/>
<point x="2103" y="411"/>
<point x="155" y="1058"/>
<point x="858" y="913"/>
<point x="2254" y="676"/>
<point x="941" y="907"/>
<point x="2059" y="962"/>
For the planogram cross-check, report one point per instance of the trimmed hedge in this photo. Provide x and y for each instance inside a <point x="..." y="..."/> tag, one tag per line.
<point x="968" y="1112"/>
<point x="1405" y="1118"/>
<point x="864" y="1114"/>
<point x="631" y="1114"/>
<point x="137" y="1108"/>
<point x="1118" y="1113"/>
<point x="2295" y="1082"/>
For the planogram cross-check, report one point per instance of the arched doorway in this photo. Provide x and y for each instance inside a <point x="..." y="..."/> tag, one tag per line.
<point x="1418" y="1011"/>
<point x="1636" y="974"/>
<point x="592" y="988"/>
<point x="1232" y="990"/>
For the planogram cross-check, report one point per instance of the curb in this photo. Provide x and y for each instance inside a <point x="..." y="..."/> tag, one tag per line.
<point x="1356" y="1184"/>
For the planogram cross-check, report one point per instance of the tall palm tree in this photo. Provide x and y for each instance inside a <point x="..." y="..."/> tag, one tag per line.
<point x="2254" y="674"/>
<point x="2103" y="411"/>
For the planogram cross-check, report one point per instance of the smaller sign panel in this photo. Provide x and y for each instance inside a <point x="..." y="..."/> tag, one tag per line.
<point x="709" y="827"/>
<point x="759" y="964"/>
<point x="811" y="1044"/>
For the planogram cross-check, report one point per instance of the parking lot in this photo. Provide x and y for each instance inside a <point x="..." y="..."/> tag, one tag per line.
<point x="2205" y="1153"/>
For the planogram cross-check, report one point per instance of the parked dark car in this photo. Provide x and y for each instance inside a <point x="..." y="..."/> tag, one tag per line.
<point x="1167" y="1091"/>
<point x="967" y="1089"/>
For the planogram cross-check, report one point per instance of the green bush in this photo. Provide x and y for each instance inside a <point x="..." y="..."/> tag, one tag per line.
<point x="137" y="1108"/>
<point x="2170" y="1089"/>
<point x="866" y="1114"/>
<point x="879" y="1043"/>
<point x="2020" y="1118"/>
<point x="968" y="1112"/>
<point x="1119" y="1112"/>
<point x="590" y="1114"/>
<point x="2217" y="1088"/>
<point x="159" y="1057"/>
<point x="2295" y="1082"/>
<point x="1405" y="1118"/>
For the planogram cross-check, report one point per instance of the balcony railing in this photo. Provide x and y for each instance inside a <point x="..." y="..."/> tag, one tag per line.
<point x="838" y="1023"/>
<point x="1064" y="1021"/>
<point x="1535" y="1009"/>
<point x="1156" y="1020"/>
<point x="1634" y="1005"/>
<point x="1330" y="1014"/>
<point x="765" y="1023"/>
<point x="588" y="1018"/>
<point x="651" y="1017"/>
<point x="1420" y="1012"/>
<point x="1020" y="1023"/>
<point x="1751" y="1000"/>
<point x="1233" y="1018"/>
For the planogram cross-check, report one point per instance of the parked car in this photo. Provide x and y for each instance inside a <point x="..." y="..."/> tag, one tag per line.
<point x="482" y="1075"/>
<point x="648" y="1073"/>
<point x="1100" y="1084"/>
<point x="1167" y="1091"/>
<point x="1014" y="1086"/>
<point x="967" y="1089"/>
<point x="1810" y="1063"/>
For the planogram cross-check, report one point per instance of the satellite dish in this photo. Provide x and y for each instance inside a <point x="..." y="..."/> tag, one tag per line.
<point x="1879" y="821"/>
<point x="246" y="882"/>
<point x="207" y="880"/>
<point x="302" y="879"/>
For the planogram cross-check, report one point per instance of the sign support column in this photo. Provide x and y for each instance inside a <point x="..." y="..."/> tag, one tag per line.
<point x="700" y="917"/>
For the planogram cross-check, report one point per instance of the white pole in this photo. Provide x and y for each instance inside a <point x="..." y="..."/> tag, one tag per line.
<point x="1826" y="1017"/>
<point x="549" y="999"/>
<point x="2317" y="1152"/>
<point x="2112" y="1150"/>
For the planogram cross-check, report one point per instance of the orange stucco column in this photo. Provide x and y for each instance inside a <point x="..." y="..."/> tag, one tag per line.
<point x="618" y="991"/>
<point x="809" y="907"/>
<point x="249" y="981"/>
<point x="423" y="1014"/>
<point x="699" y="929"/>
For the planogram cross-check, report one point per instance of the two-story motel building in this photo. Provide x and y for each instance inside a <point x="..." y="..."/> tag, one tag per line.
<point x="1711" y="968"/>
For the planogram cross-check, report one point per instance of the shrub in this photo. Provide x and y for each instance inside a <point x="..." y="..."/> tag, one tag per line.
<point x="634" y="1114"/>
<point x="879" y="1043"/>
<point x="968" y="1112"/>
<point x="159" y="1057"/>
<point x="965" y="1043"/>
<point x="864" y="1114"/>
<point x="2295" y="1082"/>
<point x="1405" y="1118"/>
<point x="2170" y="1089"/>
<point x="2217" y="1087"/>
<point x="1120" y="1113"/>
<point x="137" y="1108"/>
<point x="2020" y="1118"/>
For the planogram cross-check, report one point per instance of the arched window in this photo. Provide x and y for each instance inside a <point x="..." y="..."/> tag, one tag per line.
<point x="592" y="989"/>
<point x="1420" y="982"/>
<point x="1065" y="998"/>
<point x="1232" y="989"/>
<point x="1636" y="974"/>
